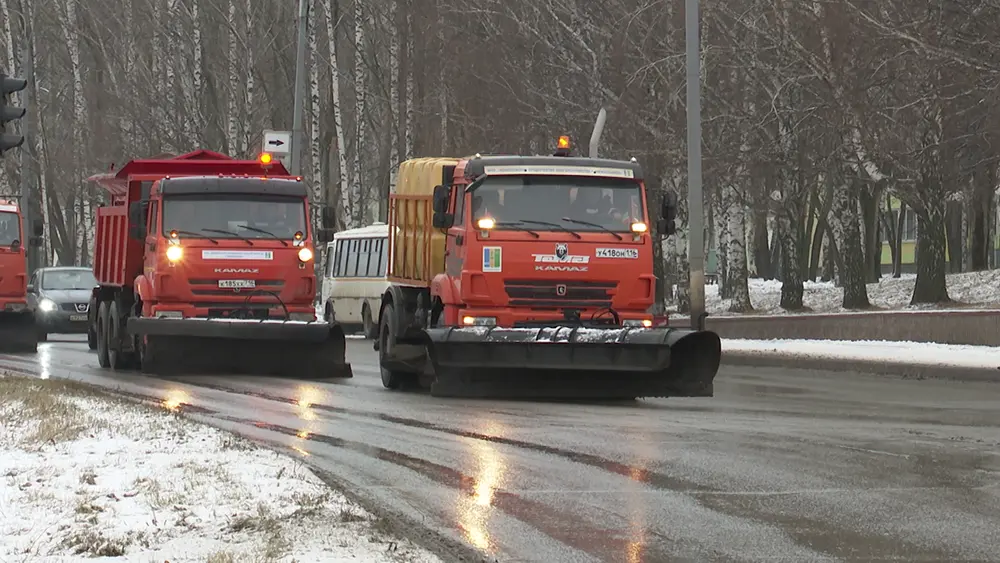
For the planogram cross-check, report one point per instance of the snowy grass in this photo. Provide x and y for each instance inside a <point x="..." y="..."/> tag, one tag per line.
<point x="972" y="289"/>
<point x="87" y="477"/>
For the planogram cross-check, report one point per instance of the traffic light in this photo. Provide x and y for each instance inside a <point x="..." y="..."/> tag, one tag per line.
<point x="9" y="113"/>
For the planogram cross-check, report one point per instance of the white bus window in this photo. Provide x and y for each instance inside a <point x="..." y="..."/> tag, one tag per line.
<point x="342" y="256"/>
<point x="371" y="269"/>
<point x="366" y="248"/>
<point x="383" y="258"/>
<point x="329" y="265"/>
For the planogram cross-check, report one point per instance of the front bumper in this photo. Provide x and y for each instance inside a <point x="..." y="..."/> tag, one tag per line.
<point x="525" y="318"/>
<point x="236" y="329"/>
<point x="61" y="322"/>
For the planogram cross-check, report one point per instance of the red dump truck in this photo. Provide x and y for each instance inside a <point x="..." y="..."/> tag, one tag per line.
<point x="17" y="319"/>
<point x="531" y="276"/>
<point x="205" y="264"/>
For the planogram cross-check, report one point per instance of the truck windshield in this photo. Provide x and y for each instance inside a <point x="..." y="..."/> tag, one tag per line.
<point x="245" y="216"/>
<point x="10" y="228"/>
<point x="68" y="279"/>
<point x="579" y="203"/>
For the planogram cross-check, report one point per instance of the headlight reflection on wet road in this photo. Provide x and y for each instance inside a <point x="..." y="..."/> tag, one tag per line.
<point x="474" y="514"/>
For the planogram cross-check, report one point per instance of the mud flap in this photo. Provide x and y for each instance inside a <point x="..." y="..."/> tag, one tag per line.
<point x="573" y="362"/>
<point x="315" y="350"/>
<point x="18" y="333"/>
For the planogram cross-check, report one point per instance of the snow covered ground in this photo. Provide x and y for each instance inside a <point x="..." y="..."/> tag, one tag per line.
<point x="87" y="478"/>
<point x="922" y="353"/>
<point x="977" y="289"/>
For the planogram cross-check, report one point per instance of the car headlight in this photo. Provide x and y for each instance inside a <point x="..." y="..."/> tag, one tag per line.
<point x="47" y="305"/>
<point x="305" y="254"/>
<point x="174" y="253"/>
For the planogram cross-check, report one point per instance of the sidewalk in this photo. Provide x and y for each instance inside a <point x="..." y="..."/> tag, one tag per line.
<point x="913" y="359"/>
<point x="87" y="477"/>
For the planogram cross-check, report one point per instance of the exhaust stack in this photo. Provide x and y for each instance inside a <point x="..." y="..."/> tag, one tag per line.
<point x="595" y="137"/>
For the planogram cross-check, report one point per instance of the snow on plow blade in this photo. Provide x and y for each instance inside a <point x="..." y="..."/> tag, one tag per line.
<point x="313" y="350"/>
<point x="17" y="332"/>
<point x="573" y="362"/>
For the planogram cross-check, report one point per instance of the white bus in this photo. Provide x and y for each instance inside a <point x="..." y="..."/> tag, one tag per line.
<point x="354" y="277"/>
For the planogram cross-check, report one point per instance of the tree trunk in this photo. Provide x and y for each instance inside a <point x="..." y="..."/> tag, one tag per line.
<point x="851" y="250"/>
<point x="931" y="286"/>
<point x="792" y="289"/>
<point x="736" y="257"/>
<point x="761" y="245"/>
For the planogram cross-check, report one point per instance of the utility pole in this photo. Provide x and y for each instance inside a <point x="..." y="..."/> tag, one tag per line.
<point x="298" y="135"/>
<point x="696" y="200"/>
<point x="27" y="168"/>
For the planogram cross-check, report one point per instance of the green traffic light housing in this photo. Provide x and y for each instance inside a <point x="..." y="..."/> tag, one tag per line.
<point x="9" y="113"/>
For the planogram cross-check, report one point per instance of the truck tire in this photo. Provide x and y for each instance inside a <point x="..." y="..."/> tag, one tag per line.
<point x="43" y="336"/>
<point x="370" y="328"/>
<point x="91" y="338"/>
<point x="102" y="335"/>
<point x="391" y="379"/>
<point x="117" y="359"/>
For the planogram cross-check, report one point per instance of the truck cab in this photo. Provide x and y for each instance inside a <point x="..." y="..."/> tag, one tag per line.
<point x="17" y="330"/>
<point x="225" y="247"/>
<point x="536" y="241"/>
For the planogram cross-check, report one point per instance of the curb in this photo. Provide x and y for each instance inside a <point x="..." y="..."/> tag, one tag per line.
<point x="905" y="370"/>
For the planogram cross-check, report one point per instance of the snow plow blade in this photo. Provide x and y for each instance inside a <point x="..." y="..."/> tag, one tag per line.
<point x="573" y="362"/>
<point x="305" y="350"/>
<point x="18" y="334"/>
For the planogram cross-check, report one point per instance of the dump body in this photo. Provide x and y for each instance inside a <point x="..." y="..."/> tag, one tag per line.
<point x="492" y="254"/>
<point x="17" y="332"/>
<point x="205" y="262"/>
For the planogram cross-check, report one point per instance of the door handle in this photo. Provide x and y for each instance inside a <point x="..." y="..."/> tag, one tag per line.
<point x="459" y="240"/>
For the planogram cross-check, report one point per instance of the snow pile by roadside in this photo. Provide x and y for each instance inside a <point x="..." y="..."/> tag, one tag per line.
<point x="920" y="353"/>
<point x="978" y="289"/>
<point x="87" y="477"/>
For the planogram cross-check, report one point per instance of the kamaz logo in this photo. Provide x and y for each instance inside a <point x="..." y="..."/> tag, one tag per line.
<point x="561" y="268"/>
<point x="237" y="270"/>
<point x="562" y="256"/>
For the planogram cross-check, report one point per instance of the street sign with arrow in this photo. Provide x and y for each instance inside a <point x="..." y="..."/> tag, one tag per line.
<point x="278" y="143"/>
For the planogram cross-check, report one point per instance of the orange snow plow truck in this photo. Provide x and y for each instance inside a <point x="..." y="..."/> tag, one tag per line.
<point x="531" y="277"/>
<point x="17" y="319"/>
<point x="205" y="265"/>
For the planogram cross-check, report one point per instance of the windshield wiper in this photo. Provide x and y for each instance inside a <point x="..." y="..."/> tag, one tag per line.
<point x="194" y="234"/>
<point x="262" y="231"/>
<point x="224" y="232"/>
<point x="556" y="225"/>
<point x="516" y="225"/>
<point x="602" y="227"/>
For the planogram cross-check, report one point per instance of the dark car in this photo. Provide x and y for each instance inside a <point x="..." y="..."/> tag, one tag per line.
<point x="60" y="297"/>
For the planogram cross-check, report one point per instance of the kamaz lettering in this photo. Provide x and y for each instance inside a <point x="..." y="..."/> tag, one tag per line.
<point x="561" y="268"/>
<point x="237" y="270"/>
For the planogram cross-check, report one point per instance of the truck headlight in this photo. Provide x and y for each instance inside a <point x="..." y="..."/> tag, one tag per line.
<point x="47" y="305"/>
<point x="305" y="254"/>
<point x="479" y="321"/>
<point x="645" y="323"/>
<point x="174" y="253"/>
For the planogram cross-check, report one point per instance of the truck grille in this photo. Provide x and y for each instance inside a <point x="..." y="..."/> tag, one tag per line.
<point x="559" y="294"/>
<point x="211" y="287"/>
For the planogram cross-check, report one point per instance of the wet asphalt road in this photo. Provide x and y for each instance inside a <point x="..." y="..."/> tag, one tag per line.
<point x="780" y="465"/>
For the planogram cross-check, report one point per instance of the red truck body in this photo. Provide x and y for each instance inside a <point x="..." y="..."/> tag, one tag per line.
<point x="185" y="268"/>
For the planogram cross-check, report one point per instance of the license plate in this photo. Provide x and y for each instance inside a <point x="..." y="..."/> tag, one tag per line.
<point x="77" y="318"/>
<point x="237" y="284"/>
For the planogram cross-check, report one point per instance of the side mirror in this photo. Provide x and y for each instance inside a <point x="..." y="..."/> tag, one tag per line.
<point x="137" y="220"/>
<point x="15" y="245"/>
<point x="31" y="288"/>
<point x="38" y="229"/>
<point x="668" y="214"/>
<point x="442" y="197"/>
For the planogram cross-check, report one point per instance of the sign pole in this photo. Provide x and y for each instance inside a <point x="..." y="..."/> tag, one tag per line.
<point x="696" y="200"/>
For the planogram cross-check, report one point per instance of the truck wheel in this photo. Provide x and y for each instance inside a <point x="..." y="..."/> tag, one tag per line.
<point x="43" y="336"/>
<point x="102" y="335"/>
<point x="91" y="338"/>
<point x="370" y="328"/>
<point x="117" y="359"/>
<point x="391" y="379"/>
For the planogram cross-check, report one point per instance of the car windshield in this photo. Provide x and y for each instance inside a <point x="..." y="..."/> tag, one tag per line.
<point x="68" y="279"/>
<point x="244" y="216"/>
<point x="577" y="203"/>
<point x="10" y="228"/>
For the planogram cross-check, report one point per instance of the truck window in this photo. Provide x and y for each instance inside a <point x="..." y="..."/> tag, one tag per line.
<point x="611" y="203"/>
<point x="10" y="228"/>
<point x="279" y="216"/>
